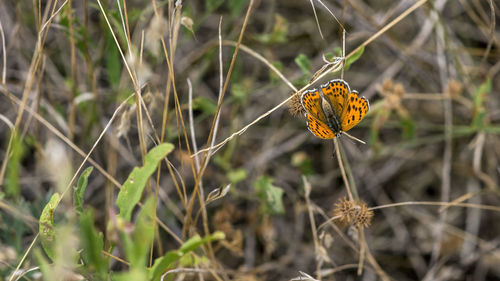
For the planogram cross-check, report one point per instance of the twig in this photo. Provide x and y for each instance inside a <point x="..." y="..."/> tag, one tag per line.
<point x="4" y="55"/>
<point x="447" y="154"/>
<point x="307" y="188"/>
<point x="342" y="170"/>
<point x="191" y="124"/>
<point x="316" y="18"/>
<point x="362" y="249"/>
<point x="430" y="203"/>
<point x="492" y="32"/>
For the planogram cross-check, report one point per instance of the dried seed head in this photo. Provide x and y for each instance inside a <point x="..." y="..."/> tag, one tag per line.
<point x="344" y="209"/>
<point x="393" y="95"/>
<point x="363" y="216"/>
<point x="392" y="101"/>
<point x="399" y="90"/>
<point x="353" y="212"/>
<point x="295" y="107"/>
<point x="387" y="85"/>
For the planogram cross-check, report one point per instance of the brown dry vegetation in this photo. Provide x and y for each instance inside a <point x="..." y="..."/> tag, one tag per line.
<point x="73" y="80"/>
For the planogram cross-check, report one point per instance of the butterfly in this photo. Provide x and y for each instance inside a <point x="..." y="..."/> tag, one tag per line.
<point x="333" y="109"/>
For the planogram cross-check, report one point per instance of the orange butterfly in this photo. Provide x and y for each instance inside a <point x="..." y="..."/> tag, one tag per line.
<point x="333" y="109"/>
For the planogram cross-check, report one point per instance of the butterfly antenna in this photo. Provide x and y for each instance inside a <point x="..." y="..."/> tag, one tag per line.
<point x="354" y="138"/>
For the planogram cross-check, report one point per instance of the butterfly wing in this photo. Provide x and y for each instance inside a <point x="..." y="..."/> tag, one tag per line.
<point x="311" y="102"/>
<point x="316" y="120"/>
<point x="355" y="110"/>
<point x="318" y="128"/>
<point x="336" y="92"/>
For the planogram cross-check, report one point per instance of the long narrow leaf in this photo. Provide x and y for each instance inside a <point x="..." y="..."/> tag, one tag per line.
<point x="132" y="189"/>
<point x="80" y="190"/>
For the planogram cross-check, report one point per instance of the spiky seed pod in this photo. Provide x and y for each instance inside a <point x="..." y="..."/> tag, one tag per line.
<point x="345" y="210"/>
<point x="295" y="107"/>
<point x="363" y="216"/>
<point x="353" y="212"/>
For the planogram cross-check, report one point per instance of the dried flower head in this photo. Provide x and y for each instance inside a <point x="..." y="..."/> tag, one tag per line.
<point x="295" y="107"/>
<point x="387" y="85"/>
<point x="399" y="90"/>
<point x="394" y="96"/>
<point x="344" y="209"/>
<point x="392" y="101"/>
<point x="363" y="216"/>
<point x="354" y="212"/>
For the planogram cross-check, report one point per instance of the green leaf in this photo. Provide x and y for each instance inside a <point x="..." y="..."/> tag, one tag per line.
<point x="211" y="5"/>
<point x="236" y="6"/>
<point x="304" y="64"/>
<point x="481" y="92"/>
<point x="269" y="195"/>
<point x="137" y="246"/>
<point x="273" y="76"/>
<point x="301" y="81"/>
<point x="79" y="192"/>
<point x="302" y="161"/>
<point x="115" y="18"/>
<point x="329" y="56"/>
<point x="237" y="175"/>
<point x="194" y="242"/>
<point x="240" y="91"/>
<point x="131" y="191"/>
<point x="13" y="188"/>
<point x="43" y="263"/>
<point x="204" y="104"/>
<point x="92" y="245"/>
<point x="354" y="58"/>
<point x="278" y="34"/>
<point x="479" y="98"/>
<point x="166" y="262"/>
<point x="47" y="227"/>
<point x="222" y="162"/>
<point x="133" y="274"/>
<point x="337" y="51"/>
<point x="113" y="61"/>
<point x="409" y="129"/>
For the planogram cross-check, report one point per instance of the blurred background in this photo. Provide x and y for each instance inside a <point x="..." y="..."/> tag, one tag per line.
<point x="71" y="71"/>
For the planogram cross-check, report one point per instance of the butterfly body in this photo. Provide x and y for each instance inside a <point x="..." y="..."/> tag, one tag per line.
<point x="333" y="109"/>
<point x="332" y="118"/>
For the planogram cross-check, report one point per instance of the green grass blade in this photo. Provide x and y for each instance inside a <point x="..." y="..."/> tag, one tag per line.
<point x="13" y="188"/>
<point x="92" y="244"/>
